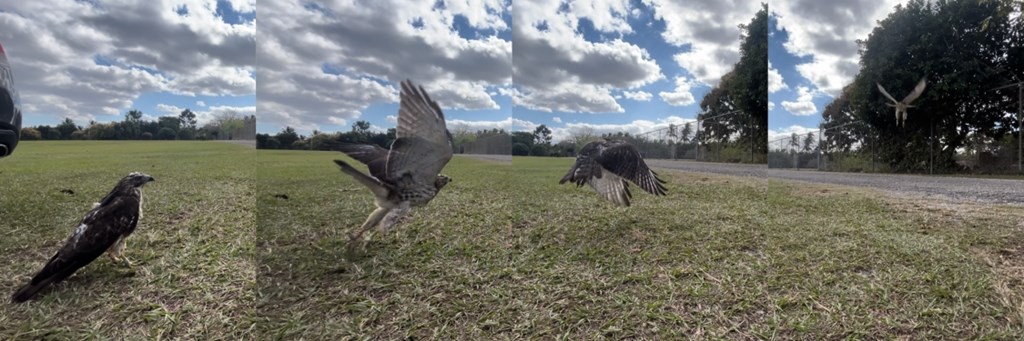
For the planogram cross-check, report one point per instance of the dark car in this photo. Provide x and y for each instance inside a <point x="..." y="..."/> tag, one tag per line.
<point x="10" y="108"/>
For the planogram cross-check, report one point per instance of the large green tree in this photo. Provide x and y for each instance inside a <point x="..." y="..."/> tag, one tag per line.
<point x="963" y="49"/>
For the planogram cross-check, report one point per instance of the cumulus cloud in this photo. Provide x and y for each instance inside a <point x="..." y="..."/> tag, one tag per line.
<point x="642" y="96"/>
<point x="89" y="61"/>
<point x="710" y="29"/>
<point x="681" y="96"/>
<point x="556" y="119"/>
<point x="333" y="60"/>
<point x="803" y="106"/>
<point x="775" y="82"/>
<point x="827" y="33"/>
<point x="557" y="69"/>
<point x="771" y="105"/>
<point x="775" y="134"/>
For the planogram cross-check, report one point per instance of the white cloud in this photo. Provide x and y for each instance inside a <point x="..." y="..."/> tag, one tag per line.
<point x="85" y="61"/>
<point x="771" y="105"/>
<point x="556" y="69"/>
<point x="775" y="82"/>
<point x="775" y="134"/>
<point x="803" y="105"/>
<point x="367" y="48"/>
<point x="827" y="33"/>
<point x="556" y="119"/>
<point x="642" y="96"/>
<point x="710" y="29"/>
<point x="201" y="103"/>
<point x="681" y="96"/>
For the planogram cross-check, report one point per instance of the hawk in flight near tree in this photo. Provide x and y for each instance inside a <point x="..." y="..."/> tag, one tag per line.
<point x="408" y="174"/>
<point x="103" y="229"/>
<point x="901" y="106"/>
<point x="607" y="164"/>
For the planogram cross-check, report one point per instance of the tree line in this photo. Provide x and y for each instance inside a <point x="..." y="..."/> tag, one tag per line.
<point x="224" y="126"/>
<point x="362" y="132"/>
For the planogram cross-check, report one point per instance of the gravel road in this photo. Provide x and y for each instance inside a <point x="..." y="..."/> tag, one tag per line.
<point x="952" y="188"/>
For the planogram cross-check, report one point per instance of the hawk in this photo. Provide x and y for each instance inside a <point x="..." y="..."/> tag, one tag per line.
<point x="607" y="164"/>
<point x="408" y="174"/>
<point x="901" y="106"/>
<point x="103" y="229"/>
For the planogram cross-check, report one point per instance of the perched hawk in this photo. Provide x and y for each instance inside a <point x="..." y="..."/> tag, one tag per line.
<point x="607" y="164"/>
<point x="103" y="229"/>
<point x="407" y="174"/>
<point x="901" y="106"/>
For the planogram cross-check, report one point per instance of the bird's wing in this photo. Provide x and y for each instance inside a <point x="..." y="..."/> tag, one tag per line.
<point x="371" y="155"/>
<point x="423" y="145"/>
<point x="918" y="89"/>
<point x="585" y="168"/>
<point x="100" y="229"/>
<point x="624" y="160"/>
<point x="886" y="93"/>
<point x="613" y="188"/>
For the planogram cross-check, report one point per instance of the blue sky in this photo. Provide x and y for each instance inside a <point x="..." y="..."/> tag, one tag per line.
<point x="85" y="61"/>
<point x="779" y="117"/>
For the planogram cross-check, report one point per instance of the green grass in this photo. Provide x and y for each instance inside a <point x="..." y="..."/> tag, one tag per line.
<point x="505" y="252"/>
<point x="194" y="274"/>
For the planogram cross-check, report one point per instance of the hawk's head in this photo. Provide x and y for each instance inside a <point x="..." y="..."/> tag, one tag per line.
<point x="441" y="181"/>
<point x="137" y="179"/>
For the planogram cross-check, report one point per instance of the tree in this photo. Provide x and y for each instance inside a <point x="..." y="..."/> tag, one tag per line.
<point x="956" y="103"/>
<point x="539" y="150"/>
<point x="166" y="134"/>
<point x="30" y="134"/>
<point x="287" y="137"/>
<point x="519" y="149"/>
<point x="524" y="138"/>
<point x="542" y="135"/>
<point x="132" y="126"/>
<point x="67" y="128"/>
<point x="581" y="135"/>
<point x="809" y="142"/>
<point x="187" y="119"/>
<point x="172" y="122"/>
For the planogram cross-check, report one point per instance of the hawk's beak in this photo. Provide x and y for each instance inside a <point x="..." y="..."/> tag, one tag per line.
<point x="151" y="179"/>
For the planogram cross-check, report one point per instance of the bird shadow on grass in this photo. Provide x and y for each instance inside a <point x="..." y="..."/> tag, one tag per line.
<point x="100" y="279"/>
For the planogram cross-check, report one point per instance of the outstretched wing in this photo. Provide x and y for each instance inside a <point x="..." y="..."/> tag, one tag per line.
<point x="371" y="155"/>
<point x="918" y="89"/>
<point x="886" y="93"/>
<point x="100" y="229"/>
<point x="423" y="145"/>
<point x="624" y="160"/>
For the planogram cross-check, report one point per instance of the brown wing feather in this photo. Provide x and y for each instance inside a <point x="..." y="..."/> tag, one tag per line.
<point x="624" y="160"/>
<point x="423" y="144"/>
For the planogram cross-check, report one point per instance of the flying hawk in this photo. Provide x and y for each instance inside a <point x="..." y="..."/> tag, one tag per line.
<point x="103" y="229"/>
<point x="407" y="174"/>
<point x="901" y="106"/>
<point x="607" y="164"/>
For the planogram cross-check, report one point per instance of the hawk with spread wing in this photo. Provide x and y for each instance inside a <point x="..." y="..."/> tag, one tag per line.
<point x="607" y="165"/>
<point x="901" y="106"/>
<point x="408" y="174"/>
<point x="103" y="229"/>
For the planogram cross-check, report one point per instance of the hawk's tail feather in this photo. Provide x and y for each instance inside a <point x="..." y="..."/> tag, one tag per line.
<point x="30" y="290"/>
<point x="373" y="184"/>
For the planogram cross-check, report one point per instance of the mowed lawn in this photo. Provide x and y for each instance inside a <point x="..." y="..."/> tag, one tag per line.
<point x="505" y="252"/>
<point x="193" y="274"/>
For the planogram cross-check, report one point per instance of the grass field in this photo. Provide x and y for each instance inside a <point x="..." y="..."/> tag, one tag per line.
<point x="194" y="274"/>
<point x="506" y="252"/>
